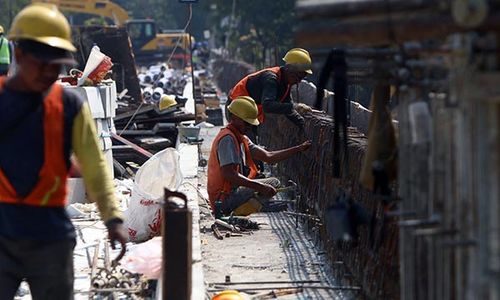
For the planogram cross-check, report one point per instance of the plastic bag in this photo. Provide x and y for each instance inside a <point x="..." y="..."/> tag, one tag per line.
<point x="145" y="258"/>
<point x="143" y="216"/>
<point x="97" y="66"/>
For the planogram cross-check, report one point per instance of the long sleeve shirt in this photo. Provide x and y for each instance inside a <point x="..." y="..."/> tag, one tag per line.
<point x="266" y="89"/>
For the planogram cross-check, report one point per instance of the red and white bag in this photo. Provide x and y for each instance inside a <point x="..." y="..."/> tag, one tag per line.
<point x="143" y="216"/>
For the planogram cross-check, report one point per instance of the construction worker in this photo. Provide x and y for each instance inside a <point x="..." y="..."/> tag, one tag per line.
<point x="5" y="53"/>
<point x="231" y="168"/>
<point x="228" y="295"/>
<point x="270" y="88"/>
<point x="40" y="125"/>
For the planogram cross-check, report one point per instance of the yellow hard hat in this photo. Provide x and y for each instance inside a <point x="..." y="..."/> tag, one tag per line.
<point x="43" y="23"/>
<point x="244" y="107"/>
<point x="300" y="59"/>
<point x="167" y="101"/>
<point x="228" y="295"/>
<point x="1" y="29"/>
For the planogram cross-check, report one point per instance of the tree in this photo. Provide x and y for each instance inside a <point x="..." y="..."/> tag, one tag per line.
<point x="255" y="26"/>
<point x="9" y="9"/>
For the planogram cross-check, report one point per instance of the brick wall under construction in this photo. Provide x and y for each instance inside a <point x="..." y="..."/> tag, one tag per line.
<point x="375" y="269"/>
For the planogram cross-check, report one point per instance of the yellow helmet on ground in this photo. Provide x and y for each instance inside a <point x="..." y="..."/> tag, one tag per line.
<point x="42" y="23"/>
<point x="1" y="29"/>
<point x="167" y="101"/>
<point x="251" y="206"/>
<point x="244" y="107"/>
<point x="300" y="59"/>
<point x="228" y="295"/>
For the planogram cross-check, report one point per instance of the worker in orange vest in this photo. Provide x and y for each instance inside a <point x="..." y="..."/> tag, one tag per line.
<point x="270" y="87"/>
<point x="41" y="124"/>
<point x="232" y="187"/>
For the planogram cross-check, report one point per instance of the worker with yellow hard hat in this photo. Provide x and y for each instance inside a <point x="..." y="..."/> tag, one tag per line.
<point x="228" y="295"/>
<point x="232" y="187"/>
<point x="42" y="124"/>
<point x="5" y="53"/>
<point x="270" y="87"/>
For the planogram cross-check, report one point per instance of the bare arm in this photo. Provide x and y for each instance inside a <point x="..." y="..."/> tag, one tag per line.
<point x="229" y="172"/>
<point x="279" y="155"/>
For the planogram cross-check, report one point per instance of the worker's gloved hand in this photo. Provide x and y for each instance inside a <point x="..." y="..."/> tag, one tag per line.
<point x="302" y="108"/>
<point x="117" y="233"/>
<point x="267" y="190"/>
<point x="305" y="145"/>
<point x="299" y="122"/>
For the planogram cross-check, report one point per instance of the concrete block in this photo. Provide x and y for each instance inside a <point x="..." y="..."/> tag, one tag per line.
<point x="76" y="191"/>
<point x="108" y="97"/>
<point x="93" y="97"/>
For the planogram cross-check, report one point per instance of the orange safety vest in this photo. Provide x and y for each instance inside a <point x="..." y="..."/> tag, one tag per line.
<point x="50" y="189"/>
<point x="240" y="89"/>
<point x="218" y="187"/>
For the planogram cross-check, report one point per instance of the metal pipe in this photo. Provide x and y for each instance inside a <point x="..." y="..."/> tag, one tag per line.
<point x="314" y="287"/>
<point x="266" y="282"/>
<point x="94" y="266"/>
<point x="301" y="215"/>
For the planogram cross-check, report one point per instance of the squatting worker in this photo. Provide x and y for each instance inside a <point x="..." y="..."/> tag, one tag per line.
<point x="231" y="167"/>
<point x="42" y="124"/>
<point x="270" y="87"/>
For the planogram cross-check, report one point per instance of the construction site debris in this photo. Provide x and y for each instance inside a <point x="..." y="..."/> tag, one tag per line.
<point x="114" y="41"/>
<point x="109" y="279"/>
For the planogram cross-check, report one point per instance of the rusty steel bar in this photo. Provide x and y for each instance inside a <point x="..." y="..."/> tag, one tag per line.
<point x="177" y="247"/>
<point x="376" y="272"/>
<point x="266" y="282"/>
<point x="315" y="287"/>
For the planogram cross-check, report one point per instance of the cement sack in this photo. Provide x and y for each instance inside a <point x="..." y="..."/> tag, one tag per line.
<point x="143" y="216"/>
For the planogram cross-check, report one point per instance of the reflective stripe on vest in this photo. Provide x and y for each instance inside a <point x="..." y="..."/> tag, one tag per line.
<point x="50" y="189"/>
<point x="4" y="51"/>
<point x="240" y="89"/>
<point x="219" y="188"/>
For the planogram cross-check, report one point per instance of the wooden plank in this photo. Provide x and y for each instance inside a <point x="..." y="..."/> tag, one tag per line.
<point x="134" y="146"/>
<point x="377" y="30"/>
<point x="344" y="8"/>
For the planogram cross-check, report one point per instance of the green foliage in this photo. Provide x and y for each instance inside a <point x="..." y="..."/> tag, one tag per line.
<point x="9" y="9"/>
<point x="250" y="29"/>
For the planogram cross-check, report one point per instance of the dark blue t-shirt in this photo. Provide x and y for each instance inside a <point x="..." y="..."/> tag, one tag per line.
<point x="22" y="157"/>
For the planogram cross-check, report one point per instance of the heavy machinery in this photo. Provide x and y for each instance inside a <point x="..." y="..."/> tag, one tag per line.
<point x="147" y="43"/>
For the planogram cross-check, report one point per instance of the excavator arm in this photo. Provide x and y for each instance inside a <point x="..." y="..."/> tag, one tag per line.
<point x="102" y="8"/>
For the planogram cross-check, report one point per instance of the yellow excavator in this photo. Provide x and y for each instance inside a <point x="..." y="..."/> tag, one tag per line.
<point x="146" y="42"/>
